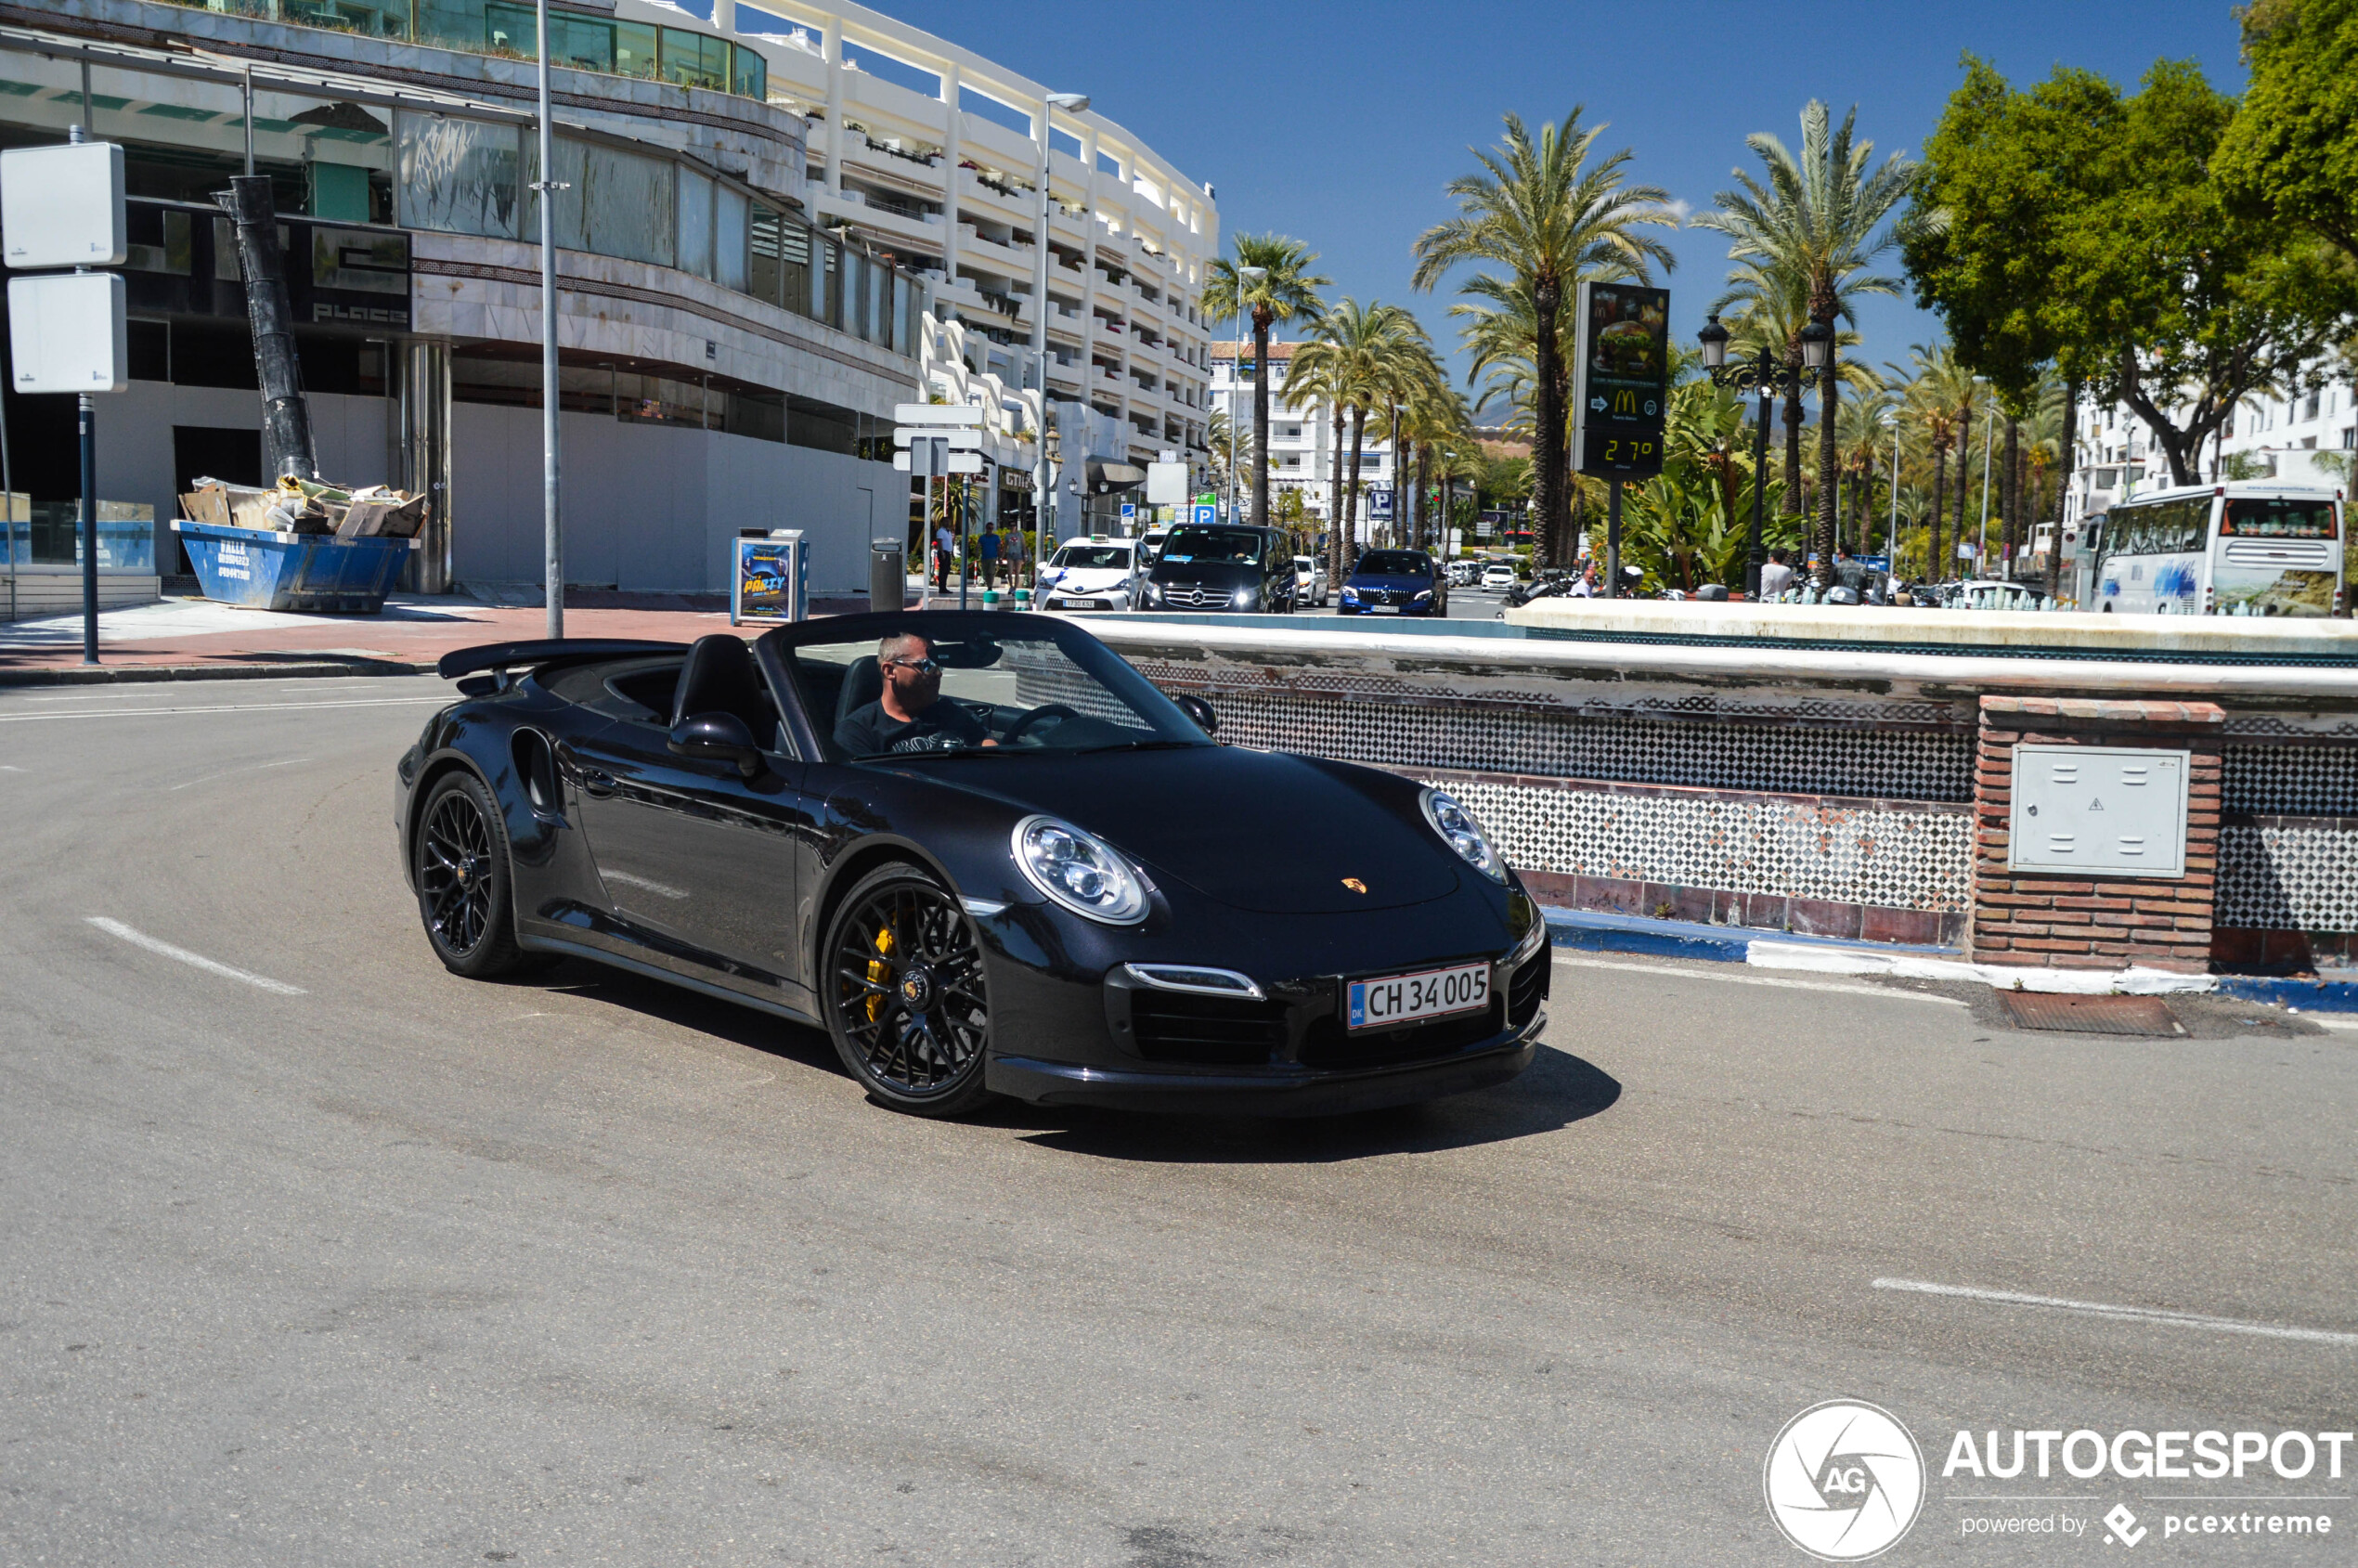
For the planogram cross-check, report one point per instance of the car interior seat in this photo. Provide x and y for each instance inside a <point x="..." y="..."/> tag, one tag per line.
<point x="720" y="677"/>
<point x="862" y="683"/>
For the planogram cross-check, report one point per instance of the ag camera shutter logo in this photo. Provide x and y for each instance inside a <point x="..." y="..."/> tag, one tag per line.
<point x="1843" y="1480"/>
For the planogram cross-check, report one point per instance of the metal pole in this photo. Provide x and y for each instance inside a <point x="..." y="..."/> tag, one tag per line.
<point x="249" y="100"/>
<point x="965" y="544"/>
<point x="1981" y="550"/>
<point x="89" y="530"/>
<point x="1613" y="540"/>
<point x="553" y="562"/>
<point x="1757" y="556"/>
<point x="1039" y="349"/>
<point x="1236" y="384"/>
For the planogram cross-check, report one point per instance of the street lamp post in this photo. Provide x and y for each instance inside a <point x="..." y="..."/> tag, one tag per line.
<point x="1989" y="428"/>
<point x="1771" y="380"/>
<point x="1070" y="103"/>
<point x="1891" y="546"/>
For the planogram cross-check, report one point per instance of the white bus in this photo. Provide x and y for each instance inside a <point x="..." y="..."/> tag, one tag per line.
<point x="2240" y="549"/>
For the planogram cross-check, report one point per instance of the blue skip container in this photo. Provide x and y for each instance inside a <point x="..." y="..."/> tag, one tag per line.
<point x="269" y="571"/>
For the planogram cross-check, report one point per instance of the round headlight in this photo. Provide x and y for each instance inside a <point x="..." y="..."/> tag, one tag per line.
<point x="1462" y="833"/>
<point x="1244" y="599"/>
<point x="1079" y="870"/>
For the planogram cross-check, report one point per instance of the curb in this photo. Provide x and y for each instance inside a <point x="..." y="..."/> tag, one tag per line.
<point x="1590" y="931"/>
<point x="109" y="675"/>
<point x="2305" y="996"/>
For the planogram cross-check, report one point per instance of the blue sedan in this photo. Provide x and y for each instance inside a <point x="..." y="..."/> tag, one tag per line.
<point x="1402" y="580"/>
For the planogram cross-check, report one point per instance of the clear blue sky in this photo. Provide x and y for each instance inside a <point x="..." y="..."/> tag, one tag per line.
<point x="1340" y="123"/>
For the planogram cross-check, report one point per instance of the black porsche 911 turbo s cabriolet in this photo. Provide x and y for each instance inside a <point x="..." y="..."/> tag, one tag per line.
<point x="985" y="855"/>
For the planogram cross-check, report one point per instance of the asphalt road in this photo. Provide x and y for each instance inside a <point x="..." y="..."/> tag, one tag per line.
<point x="384" y="1266"/>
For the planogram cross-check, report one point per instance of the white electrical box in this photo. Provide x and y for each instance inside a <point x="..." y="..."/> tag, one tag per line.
<point x="66" y="333"/>
<point x="2114" y="810"/>
<point x="63" y="206"/>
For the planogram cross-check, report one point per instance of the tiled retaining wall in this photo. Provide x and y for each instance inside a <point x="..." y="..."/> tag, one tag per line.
<point x="1838" y="808"/>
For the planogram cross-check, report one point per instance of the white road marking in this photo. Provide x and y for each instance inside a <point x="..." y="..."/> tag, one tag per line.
<point x="285" y="762"/>
<point x="194" y="960"/>
<point x="2330" y="1020"/>
<point x="1736" y="975"/>
<point x="217" y="707"/>
<point x="9" y="767"/>
<point x="2134" y="1315"/>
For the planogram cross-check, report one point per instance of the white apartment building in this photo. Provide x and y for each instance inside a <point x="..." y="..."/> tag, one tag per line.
<point x="929" y="154"/>
<point x="1302" y="439"/>
<point x="2304" y="439"/>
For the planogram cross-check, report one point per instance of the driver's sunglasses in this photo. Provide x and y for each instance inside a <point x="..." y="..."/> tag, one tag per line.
<point x="922" y="666"/>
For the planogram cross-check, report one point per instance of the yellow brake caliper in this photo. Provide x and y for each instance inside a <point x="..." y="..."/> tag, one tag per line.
<point x="879" y="971"/>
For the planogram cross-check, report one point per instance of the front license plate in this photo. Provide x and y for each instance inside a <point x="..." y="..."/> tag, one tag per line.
<point x="1401" y="999"/>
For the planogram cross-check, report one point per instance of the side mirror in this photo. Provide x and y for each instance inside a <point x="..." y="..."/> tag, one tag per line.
<point x="1199" y="710"/>
<point x="719" y="737"/>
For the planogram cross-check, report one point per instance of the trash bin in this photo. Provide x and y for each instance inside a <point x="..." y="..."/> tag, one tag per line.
<point x="888" y="575"/>
<point x="272" y="571"/>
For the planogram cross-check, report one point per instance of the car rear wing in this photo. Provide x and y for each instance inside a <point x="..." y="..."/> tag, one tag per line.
<point x="545" y="653"/>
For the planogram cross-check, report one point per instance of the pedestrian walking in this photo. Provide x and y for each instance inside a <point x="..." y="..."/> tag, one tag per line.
<point x="989" y="548"/>
<point x="944" y="544"/>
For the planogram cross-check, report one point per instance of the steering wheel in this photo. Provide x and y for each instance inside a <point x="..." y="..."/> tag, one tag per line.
<point x="1046" y="710"/>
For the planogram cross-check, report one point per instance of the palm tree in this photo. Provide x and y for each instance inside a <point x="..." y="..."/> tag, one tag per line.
<point x="1366" y="358"/>
<point x="1313" y="377"/>
<point x="1939" y="395"/>
<point x="1811" y="233"/>
<point x="1539" y="211"/>
<point x="1279" y="287"/>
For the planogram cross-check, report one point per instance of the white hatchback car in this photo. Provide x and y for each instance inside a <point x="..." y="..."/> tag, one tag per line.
<point x="1498" y="575"/>
<point x="1096" y="573"/>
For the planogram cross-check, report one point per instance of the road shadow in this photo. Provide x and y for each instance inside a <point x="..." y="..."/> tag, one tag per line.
<point x="1558" y="1090"/>
<point x="735" y="1022"/>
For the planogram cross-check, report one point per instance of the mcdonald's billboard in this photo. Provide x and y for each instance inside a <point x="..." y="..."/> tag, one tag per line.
<point x="1621" y="379"/>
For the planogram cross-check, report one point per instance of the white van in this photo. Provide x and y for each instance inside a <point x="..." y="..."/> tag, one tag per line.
<point x="2245" y="547"/>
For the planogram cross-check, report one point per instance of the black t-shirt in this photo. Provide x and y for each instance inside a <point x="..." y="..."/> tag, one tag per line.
<point x="943" y="727"/>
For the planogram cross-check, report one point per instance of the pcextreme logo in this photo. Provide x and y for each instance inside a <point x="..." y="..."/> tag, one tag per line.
<point x="1845" y="1481"/>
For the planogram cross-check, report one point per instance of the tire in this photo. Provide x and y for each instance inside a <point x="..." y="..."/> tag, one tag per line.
<point x="905" y="992"/>
<point x="465" y="889"/>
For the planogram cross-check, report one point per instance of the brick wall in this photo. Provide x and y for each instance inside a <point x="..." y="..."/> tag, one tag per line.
<point x="2104" y="922"/>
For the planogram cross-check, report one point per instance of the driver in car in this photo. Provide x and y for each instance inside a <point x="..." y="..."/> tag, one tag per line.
<point x="909" y="716"/>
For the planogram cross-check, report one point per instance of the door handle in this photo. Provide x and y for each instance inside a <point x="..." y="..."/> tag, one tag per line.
<point x="599" y="785"/>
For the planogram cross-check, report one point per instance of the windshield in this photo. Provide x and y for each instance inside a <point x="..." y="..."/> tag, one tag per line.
<point x="971" y="691"/>
<point x="1396" y="564"/>
<point x="2274" y="518"/>
<point x="1116" y="555"/>
<point x="1231" y="547"/>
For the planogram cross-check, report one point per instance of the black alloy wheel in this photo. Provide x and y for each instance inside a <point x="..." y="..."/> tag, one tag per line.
<point x="462" y="876"/>
<point x="905" y="996"/>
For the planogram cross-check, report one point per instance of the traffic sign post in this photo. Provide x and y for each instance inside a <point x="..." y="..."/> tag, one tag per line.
<point x="63" y="206"/>
<point x="1621" y="394"/>
<point x="1206" y="515"/>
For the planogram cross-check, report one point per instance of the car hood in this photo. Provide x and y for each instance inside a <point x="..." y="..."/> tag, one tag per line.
<point x="1255" y="830"/>
<point x="1219" y="572"/>
<point x="1390" y="585"/>
<point x="1088" y="579"/>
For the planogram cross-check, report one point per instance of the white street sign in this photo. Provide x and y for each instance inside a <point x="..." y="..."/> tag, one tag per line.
<point x="959" y="440"/>
<point x="66" y="333"/>
<point x="1166" y="484"/>
<point x="937" y="414"/>
<point x="62" y="205"/>
<point x="953" y="463"/>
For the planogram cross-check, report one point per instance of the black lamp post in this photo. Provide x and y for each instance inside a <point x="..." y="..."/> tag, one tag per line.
<point x="1771" y="380"/>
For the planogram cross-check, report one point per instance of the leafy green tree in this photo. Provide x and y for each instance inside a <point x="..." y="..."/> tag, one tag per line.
<point x="1808" y="236"/>
<point x="1285" y="289"/>
<point x="2073" y="224"/>
<point x="1539" y="211"/>
<point x="2291" y="152"/>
